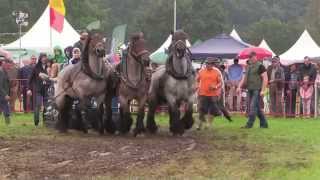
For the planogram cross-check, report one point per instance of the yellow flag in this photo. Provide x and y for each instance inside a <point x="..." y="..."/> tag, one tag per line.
<point x="58" y="6"/>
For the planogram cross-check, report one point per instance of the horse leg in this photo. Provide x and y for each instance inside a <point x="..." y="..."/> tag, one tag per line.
<point x="64" y="104"/>
<point x="140" y="124"/>
<point x="176" y="126"/>
<point x="108" y="123"/>
<point x="125" y="116"/>
<point x="187" y="119"/>
<point x="151" y="124"/>
<point x="83" y="110"/>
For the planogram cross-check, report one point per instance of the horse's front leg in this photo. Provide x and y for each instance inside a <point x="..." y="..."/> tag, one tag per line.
<point x="140" y="124"/>
<point x="187" y="119"/>
<point x="176" y="126"/>
<point x="125" y="116"/>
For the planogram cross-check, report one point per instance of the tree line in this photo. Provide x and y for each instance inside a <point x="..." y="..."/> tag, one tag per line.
<point x="280" y="22"/>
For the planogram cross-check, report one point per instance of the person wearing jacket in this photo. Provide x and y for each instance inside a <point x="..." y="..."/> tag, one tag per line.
<point x="38" y="86"/>
<point x="4" y="94"/>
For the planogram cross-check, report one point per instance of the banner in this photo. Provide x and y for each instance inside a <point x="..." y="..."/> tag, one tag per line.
<point x="118" y="38"/>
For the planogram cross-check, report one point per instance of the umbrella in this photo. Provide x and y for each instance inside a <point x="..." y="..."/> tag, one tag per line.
<point x="261" y="53"/>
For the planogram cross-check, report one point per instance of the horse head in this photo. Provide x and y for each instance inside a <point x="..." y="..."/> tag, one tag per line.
<point x="93" y="55"/>
<point x="179" y="62"/>
<point x="137" y="48"/>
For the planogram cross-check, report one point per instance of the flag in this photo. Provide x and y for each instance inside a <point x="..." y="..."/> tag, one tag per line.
<point x="118" y="38"/>
<point x="57" y="13"/>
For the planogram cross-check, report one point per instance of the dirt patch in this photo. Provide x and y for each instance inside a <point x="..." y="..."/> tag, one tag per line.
<point x="77" y="156"/>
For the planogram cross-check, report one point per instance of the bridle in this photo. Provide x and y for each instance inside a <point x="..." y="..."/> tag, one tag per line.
<point x="124" y="68"/>
<point x="180" y="44"/>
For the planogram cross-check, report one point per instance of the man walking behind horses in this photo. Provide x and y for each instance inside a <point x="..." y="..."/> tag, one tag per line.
<point x="209" y="91"/>
<point x="256" y="80"/>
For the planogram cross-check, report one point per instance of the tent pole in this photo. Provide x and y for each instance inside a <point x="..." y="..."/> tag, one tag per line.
<point x="175" y="16"/>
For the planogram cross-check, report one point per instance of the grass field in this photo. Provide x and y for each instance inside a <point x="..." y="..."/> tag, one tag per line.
<point x="289" y="149"/>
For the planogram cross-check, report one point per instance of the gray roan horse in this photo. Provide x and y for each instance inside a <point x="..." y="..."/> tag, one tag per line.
<point x="175" y="85"/>
<point x="134" y="83"/>
<point x="85" y="80"/>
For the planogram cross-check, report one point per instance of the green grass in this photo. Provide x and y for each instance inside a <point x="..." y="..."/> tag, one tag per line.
<point x="289" y="149"/>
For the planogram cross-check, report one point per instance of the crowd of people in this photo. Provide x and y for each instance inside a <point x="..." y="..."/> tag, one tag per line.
<point x="290" y="90"/>
<point x="252" y="88"/>
<point x="32" y="82"/>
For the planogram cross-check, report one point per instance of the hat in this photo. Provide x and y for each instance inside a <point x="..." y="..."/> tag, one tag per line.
<point x="211" y="60"/>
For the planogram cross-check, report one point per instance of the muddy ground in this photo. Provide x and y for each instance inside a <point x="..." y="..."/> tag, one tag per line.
<point x="78" y="156"/>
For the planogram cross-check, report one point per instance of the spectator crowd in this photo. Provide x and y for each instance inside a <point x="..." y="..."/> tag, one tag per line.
<point x="290" y="90"/>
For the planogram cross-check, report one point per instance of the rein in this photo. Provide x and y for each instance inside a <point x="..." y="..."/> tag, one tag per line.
<point x="124" y="70"/>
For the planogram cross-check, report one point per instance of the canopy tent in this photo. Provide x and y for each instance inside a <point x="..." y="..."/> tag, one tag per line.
<point x="160" y="56"/>
<point x="305" y="46"/>
<point x="41" y="37"/>
<point x="222" y="46"/>
<point x="265" y="45"/>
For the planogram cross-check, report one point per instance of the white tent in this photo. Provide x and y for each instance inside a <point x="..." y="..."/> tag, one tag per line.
<point x="265" y="45"/>
<point x="305" y="46"/>
<point x="41" y="37"/>
<point x="160" y="56"/>
<point x="237" y="37"/>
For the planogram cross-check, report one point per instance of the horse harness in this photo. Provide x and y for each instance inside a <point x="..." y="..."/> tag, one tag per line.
<point x="124" y="69"/>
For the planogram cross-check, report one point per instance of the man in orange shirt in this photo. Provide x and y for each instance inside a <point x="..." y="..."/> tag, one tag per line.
<point x="209" y="91"/>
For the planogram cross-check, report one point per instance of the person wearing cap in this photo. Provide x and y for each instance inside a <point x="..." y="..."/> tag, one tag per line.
<point x="4" y="94"/>
<point x="276" y="78"/>
<point x="83" y="38"/>
<point x="256" y="81"/>
<point x="209" y="90"/>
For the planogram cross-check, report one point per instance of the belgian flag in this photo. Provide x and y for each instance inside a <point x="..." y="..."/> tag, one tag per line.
<point x="57" y="13"/>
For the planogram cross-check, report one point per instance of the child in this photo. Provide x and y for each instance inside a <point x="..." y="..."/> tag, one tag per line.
<point x="306" y="91"/>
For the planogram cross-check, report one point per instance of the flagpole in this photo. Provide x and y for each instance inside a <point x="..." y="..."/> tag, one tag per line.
<point x="175" y="16"/>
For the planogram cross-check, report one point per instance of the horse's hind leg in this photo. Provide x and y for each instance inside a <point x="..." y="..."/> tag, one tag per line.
<point x="83" y="109"/>
<point x="64" y="104"/>
<point x="187" y="119"/>
<point x="140" y="124"/>
<point x="151" y="124"/>
<point x="108" y="123"/>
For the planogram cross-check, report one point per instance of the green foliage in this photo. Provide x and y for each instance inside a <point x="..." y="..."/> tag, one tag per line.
<point x="280" y="22"/>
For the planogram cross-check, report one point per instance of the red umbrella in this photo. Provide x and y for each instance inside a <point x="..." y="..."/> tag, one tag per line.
<point x="261" y="53"/>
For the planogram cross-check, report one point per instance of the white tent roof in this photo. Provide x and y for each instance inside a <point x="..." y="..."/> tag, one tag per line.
<point x="38" y="37"/>
<point x="265" y="45"/>
<point x="235" y="35"/>
<point x="305" y="46"/>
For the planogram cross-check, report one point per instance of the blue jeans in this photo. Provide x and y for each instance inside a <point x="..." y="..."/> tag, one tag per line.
<point x="4" y="106"/>
<point x="254" y="109"/>
<point x="39" y="102"/>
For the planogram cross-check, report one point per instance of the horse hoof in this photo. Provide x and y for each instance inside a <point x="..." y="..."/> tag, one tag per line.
<point x="137" y="132"/>
<point x="188" y="122"/>
<point x="153" y="129"/>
